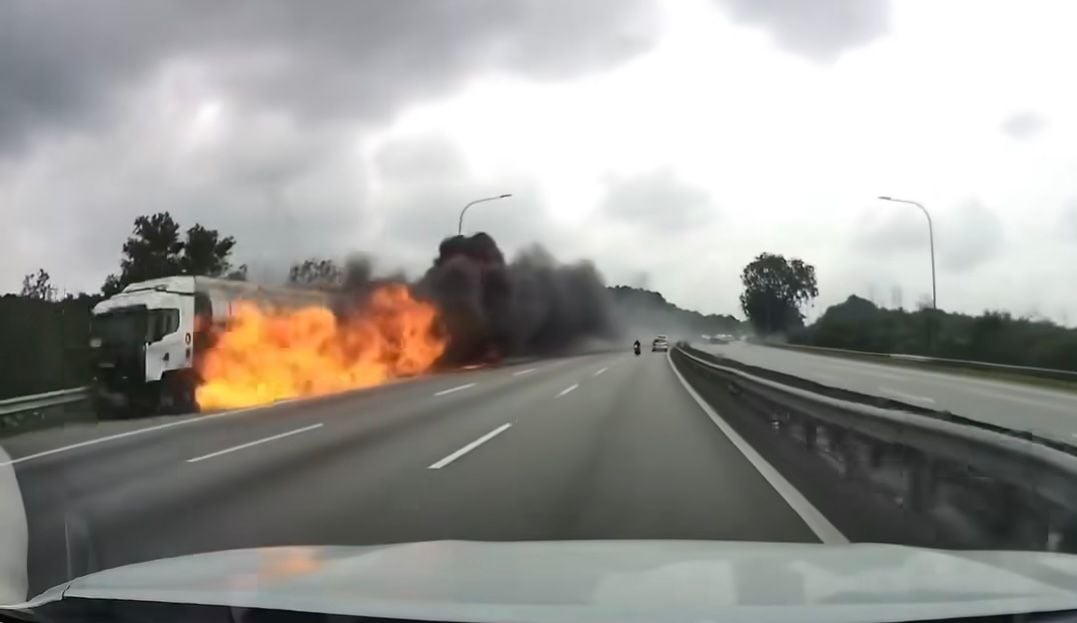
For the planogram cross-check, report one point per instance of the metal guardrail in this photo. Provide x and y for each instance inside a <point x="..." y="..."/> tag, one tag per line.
<point x="936" y="468"/>
<point x="1070" y="375"/>
<point x="46" y="400"/>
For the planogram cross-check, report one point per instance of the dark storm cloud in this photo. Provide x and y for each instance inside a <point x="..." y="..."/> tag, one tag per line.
<point x="279" y="189"/>
<point x="658" y="200"/>
<point x="966" y="236"/>
<point x="821" y="30"/>
<point x="66" y="63"/>
<point x="299" y="83"/>
<point x="1023" y="125"/>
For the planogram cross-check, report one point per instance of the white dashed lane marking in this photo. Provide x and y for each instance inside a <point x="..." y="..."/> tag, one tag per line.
<point x="469" y="447"/>
<point x="455" y="389"/>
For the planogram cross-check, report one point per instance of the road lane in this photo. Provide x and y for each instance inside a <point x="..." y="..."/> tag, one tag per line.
<point x="256" y="442"/>
<point x="625" y="454"/>
<point x="122" y="499"/>
<point x="73" y="437"/>
<point x="469" y="447"/>
<point x="1045" y="412"/>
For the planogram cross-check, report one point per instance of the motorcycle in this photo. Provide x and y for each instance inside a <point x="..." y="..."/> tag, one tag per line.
<point x="635" y="347"/>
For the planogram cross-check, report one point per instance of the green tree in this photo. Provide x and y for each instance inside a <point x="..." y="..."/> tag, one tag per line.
<point x="316" y="273"/>
<point x="993" y="336"/>
<point x="205" y="252"/>
<point x="38" y="286"/>
<point x="155" y="250"/>
<point x="239" y="273"/>
<point x="774" y="291"/>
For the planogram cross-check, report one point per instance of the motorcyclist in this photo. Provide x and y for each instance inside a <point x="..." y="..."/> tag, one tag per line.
<point x="636" y="346"/>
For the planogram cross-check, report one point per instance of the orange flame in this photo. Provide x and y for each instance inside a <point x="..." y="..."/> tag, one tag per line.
<point x="267" y="355"/>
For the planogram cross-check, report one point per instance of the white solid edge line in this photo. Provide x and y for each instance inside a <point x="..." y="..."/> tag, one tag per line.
<point x="255" y="443"/>
<point x="454" y="389"/>
<point x="130" y="433"/>
<point x="815" y="520"/>
<point x="568" y="389"/>
<point x="600" y="371"/>
<point x="523" y="372"/>
<point x="469" y="447"/>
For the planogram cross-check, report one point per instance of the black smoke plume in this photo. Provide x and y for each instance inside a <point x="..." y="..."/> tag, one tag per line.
<point x="532" y="305"/>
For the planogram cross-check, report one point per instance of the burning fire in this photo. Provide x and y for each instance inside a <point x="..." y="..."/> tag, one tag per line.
<point x="267" y="355"/>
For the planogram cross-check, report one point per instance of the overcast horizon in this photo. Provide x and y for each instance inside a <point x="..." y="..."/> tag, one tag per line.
<point x="669" y="142"/>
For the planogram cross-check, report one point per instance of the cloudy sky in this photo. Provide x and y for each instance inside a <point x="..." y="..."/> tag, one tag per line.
<point x="669" y="142"/>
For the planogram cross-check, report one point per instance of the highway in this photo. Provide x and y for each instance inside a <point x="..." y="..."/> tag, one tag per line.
<point x="593" y="446"/>
<point x="1045" y="412"/>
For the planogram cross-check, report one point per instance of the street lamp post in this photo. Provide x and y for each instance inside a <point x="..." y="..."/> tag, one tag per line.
<point x="460" y="224"/>
<point x="931" y="239"/>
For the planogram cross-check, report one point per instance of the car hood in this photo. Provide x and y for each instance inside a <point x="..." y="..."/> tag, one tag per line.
<point x="602" y="581"/>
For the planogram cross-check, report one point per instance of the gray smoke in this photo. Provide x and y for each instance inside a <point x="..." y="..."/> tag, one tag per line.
<point x="532" y="305"/>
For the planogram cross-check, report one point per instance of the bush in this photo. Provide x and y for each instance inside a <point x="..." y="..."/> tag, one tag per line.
<point x="994" y="337"/>
<point x="45" y="344"/>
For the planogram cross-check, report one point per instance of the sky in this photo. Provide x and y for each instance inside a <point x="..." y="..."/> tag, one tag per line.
<point x="669" y="142"/>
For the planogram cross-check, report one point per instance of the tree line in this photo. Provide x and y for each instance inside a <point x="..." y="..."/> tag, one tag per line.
<point x="51" y="335"/>
<point x="46" y="337"/>
<point x="776" y="290"/>
<point x="650" y="311"/>
<point x="994" y="336"/>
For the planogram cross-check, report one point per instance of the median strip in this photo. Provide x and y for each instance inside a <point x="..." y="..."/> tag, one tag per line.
<point x="256" y="442"/>
<point x="469" y="447"/>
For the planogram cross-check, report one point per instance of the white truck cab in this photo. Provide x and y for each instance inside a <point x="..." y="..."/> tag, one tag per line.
<point x="146" y="342"/>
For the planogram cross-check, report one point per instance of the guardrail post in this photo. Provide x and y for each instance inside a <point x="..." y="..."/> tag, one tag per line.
<point x="1061" y="532"/>
<point x="845" y="444"/>
<point x="920" y="482"/>
<point x="875" y="456"/>
<point x="809" y="434"/>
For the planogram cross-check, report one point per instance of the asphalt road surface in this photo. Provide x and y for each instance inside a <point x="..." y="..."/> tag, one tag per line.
<point x="1045" y="412"/>
<point x="595" y="446"/>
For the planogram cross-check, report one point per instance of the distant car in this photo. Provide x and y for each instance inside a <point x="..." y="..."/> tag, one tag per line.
<point x="660" y="343"/>
<point x="721" y="338"/>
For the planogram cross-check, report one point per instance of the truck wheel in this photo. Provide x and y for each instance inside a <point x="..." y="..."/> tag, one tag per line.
<point x="145" y="401"/>
<point x="184" y="399"/>
<point x="178" y="394"/>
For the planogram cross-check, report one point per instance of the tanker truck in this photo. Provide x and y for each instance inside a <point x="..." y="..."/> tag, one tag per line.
<point x="147" y="341"/>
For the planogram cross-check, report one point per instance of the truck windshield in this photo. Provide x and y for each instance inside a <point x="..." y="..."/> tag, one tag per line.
<point x="121" y="326"/>
<point x="134" y="325"/>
